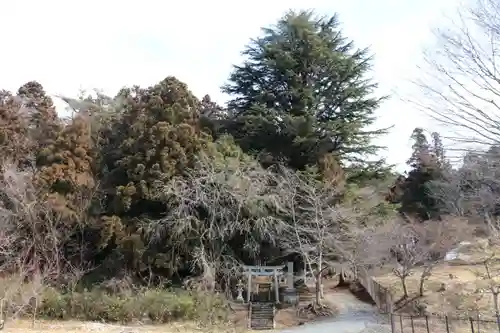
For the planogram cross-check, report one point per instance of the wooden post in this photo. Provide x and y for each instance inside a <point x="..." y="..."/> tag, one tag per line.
<point x="249" y="286"/>
<point x="276" y="287"/>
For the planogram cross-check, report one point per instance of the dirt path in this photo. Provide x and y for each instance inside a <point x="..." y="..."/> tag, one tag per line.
<point x="43" y="326"/>
<point x="355" y="316"/>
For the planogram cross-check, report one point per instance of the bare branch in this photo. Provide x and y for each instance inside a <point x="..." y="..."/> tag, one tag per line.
<point x="211" y="205"/>
<point x="472" y="191"/>
<point x="461" y="88"/>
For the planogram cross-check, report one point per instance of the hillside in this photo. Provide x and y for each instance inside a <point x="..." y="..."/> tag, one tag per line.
<point x="456" y="288"/>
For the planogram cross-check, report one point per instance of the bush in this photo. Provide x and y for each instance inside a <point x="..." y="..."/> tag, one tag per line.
<point x="153" y="305"/>
<point x="123" y="305"/>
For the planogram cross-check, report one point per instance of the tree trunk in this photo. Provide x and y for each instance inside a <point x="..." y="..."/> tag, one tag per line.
<point x="318" y="289"/>
<point x="319" y="280"/>
<point x="405" y="289"/>
<point x="426" y="274"/>
<point x="321" y="291"/>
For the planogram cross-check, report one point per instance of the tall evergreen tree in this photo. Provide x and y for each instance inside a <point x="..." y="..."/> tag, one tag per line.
<point x="426" y="162"/>
<point x="65" y="169"/>
<point x="303" y="92"/>
<point x="421" y="149"/>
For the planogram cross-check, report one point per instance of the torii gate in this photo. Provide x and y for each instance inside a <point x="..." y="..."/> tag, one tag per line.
<point x="267" y="272"/>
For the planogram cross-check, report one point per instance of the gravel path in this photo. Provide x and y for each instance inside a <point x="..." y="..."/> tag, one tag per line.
<point x="354" y="316"/>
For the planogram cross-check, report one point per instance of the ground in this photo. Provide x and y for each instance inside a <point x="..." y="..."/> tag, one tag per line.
<point x="74" y="326"/>
<point x="450" y="289"/>
<point x="455" y="290"/>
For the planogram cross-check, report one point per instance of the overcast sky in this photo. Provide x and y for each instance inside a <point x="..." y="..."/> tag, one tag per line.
<point x="69" y="45"/>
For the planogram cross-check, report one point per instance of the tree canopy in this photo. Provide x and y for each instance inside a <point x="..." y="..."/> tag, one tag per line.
<point x="157" y="182"/>
<point x="304" y="91"/>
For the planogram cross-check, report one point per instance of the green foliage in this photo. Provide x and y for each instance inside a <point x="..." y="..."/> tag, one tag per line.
<point x="138" y="181"/>
<point x="158" y="184"/>
<point x="155" y="305"/>
<point x="158" y="139"/>
<point x="428" y="165"/>
<point x="302" y="92"/>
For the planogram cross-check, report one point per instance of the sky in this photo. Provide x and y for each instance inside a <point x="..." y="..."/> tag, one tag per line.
<point x="73" y="45"/>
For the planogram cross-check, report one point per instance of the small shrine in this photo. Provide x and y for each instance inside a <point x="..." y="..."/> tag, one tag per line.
<point x="263" y="283"/>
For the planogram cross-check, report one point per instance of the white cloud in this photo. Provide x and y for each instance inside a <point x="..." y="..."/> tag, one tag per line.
<point x="68" y="45"/>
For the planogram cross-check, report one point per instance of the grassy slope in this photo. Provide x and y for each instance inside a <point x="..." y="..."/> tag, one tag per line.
<point x="465" y="287"/>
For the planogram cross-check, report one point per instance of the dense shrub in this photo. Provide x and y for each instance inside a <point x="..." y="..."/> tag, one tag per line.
<point x="150" y="305"/>
<point x="146" y="305"/>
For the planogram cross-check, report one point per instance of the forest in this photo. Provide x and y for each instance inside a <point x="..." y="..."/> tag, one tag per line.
<point x="156" y="188"/>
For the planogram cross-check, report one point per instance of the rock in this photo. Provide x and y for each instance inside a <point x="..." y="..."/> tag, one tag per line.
<point x="466" y="253"/>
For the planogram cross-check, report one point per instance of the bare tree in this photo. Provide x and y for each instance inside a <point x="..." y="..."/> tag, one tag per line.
<point x="414" y="246"/>
<point x="488" y="278"/>
<point x="460" y="81"/>
<point x="312" y="219"/>
<point x="365" y="214"/>
<point x="327" y="231"/>
<point x="435" y="240"/>
<point x="402" y="241"/>
<point x="210" y="205"/>
<point x="32" y="237"/>
<point x="18" y="214"/>
<point x="472" y="192"/>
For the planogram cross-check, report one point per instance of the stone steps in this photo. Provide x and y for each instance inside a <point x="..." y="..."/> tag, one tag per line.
<point x="261" y="315"/>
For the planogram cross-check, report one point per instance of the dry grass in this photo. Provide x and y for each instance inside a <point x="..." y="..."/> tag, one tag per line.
<point x="237" y="322"/>
<point x="465" y="293"/>
<point x="19" y="326"/>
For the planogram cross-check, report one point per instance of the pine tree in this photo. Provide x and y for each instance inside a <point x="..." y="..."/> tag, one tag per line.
<point x="303" y="92"/>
